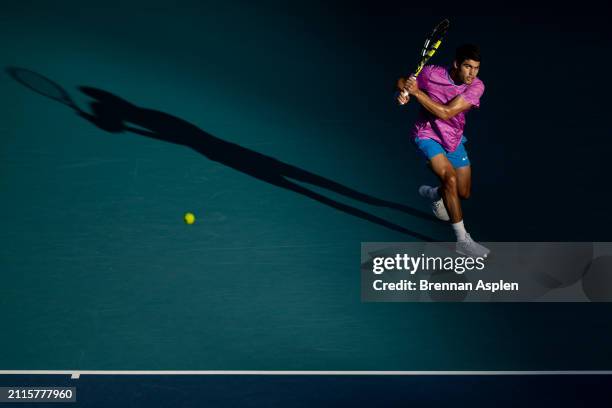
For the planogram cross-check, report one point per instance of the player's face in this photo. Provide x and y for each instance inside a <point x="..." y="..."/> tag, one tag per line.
<point x="468" y="70"/>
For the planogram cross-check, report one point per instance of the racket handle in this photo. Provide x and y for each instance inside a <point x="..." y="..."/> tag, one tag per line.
<point x="405" y="94"/>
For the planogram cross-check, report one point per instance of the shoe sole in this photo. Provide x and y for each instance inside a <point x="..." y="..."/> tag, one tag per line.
<point x="440" y="218"/>
<point x="421" y="194"/>
<point x="464" y="254"/>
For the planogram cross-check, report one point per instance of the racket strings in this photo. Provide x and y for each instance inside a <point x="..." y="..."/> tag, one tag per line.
<point x="432" y="43"/>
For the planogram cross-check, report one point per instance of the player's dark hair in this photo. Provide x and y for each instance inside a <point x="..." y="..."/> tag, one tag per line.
<point x="466" y="52"/>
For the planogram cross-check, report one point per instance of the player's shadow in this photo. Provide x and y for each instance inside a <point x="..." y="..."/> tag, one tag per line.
<point x="114" y="114"/>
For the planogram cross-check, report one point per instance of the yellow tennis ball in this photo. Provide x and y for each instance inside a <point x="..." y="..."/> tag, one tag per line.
<point x="189" y="218"/>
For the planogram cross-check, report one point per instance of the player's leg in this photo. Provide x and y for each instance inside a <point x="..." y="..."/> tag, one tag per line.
<point x="456" y="184"/>
<point x="464" y="181"/>
<point x="448" y="189"/>
<point x="464" y="185"/>
<point x="461" y="162"/>
<point x="429" y="149"/>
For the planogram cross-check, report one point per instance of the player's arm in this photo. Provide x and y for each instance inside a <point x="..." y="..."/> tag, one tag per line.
<point x="442" y="111"/>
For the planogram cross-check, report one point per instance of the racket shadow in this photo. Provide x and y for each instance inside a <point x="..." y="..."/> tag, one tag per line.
<point x="114" y="114"/>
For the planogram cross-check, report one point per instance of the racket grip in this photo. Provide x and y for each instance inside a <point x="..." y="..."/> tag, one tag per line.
<point x="404" y="92"/>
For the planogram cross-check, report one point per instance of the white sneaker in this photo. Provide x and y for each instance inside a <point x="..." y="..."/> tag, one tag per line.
<point x="469" y="247"/>
<point x="437" y="205"/>
<point x="439" y="210"/>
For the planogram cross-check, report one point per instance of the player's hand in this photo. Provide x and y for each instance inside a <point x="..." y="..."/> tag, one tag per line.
<point x="403" y="98"/>
<point x="411" y="85"/>
<point x="401" y="83"/>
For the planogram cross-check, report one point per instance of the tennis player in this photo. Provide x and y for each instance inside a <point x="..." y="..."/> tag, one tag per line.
<point x="446" y="94"/>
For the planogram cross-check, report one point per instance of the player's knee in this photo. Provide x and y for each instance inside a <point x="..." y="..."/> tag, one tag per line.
<point x="464" y="193"/>
<point x="450" y="181"/>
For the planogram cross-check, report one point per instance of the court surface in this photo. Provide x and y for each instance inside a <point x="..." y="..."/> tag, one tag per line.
<point x="281" y="136"/>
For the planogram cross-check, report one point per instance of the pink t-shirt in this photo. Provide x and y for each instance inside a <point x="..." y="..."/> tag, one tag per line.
<point x="437" y="83"/>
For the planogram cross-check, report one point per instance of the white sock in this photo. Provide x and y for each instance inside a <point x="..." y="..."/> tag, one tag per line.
<point x="460" y="231"/>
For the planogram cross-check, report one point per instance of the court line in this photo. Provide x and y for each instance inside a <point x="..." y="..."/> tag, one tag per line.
<point x="77" y="373"/>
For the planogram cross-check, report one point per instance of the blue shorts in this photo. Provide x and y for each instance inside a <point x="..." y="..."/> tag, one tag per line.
<point x="430" y="148"/>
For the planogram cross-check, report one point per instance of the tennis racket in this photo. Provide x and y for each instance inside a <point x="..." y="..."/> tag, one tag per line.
<point x="432" y="43"/>
<point x="43" y="86"/>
